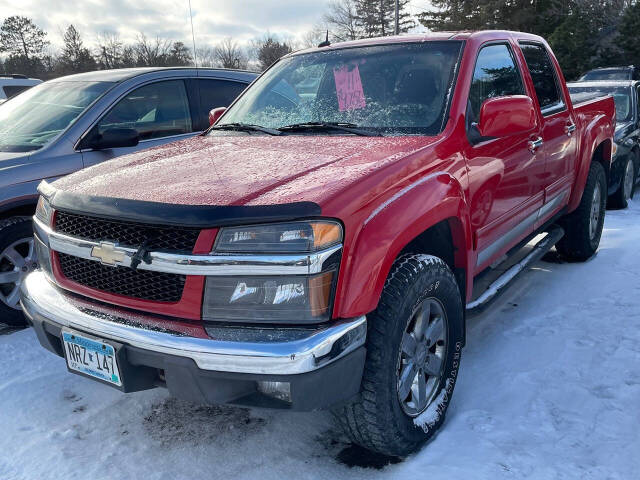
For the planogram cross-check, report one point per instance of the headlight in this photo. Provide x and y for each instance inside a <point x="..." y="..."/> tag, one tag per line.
<point x="293" y="237"/>
<point x="44" y="211"/>
<point x="276" y="298"/>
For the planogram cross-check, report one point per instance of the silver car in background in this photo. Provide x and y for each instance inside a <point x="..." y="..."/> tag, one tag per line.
<point x="70" y="123"/>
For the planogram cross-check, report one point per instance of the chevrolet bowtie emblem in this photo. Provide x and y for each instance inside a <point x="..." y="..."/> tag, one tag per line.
<point x="107" y="254"/>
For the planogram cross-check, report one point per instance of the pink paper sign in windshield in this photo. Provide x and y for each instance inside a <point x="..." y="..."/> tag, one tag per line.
<point x="349" y="88"/>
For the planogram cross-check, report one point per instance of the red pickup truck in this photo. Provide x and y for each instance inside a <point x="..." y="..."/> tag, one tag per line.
<point x="319" y="245"/>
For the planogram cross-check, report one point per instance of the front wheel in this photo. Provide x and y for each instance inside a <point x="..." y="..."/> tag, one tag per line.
<point x="621" y="198"/>
<point x="583" y="227"/>
<point x="17" y="260"/>
<point x="413" y="355"/>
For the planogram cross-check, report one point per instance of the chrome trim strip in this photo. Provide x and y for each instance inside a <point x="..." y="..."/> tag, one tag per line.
<point x="214" y="265"/>
<point x="289" y="354"/>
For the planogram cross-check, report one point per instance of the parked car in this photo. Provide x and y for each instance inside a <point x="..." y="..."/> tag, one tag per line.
<point x="629" y="72"/>
<point x="12" y="85"/>
<point x="626" y="160"/>
<point x="77" y="121"/>
<point x="318" y="252"/>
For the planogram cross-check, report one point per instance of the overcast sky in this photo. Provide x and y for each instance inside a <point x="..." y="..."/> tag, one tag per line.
<point x="213" y="19"/>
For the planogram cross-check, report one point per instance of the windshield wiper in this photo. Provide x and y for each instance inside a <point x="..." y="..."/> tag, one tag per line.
<point x="245" y="127"/>
<point x="341" y="126"/>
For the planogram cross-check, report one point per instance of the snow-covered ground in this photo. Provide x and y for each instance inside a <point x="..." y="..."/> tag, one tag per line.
<point x="549" y="388"/>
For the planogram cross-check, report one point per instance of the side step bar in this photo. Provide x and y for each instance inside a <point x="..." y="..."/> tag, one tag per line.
<point x="538" y="251"/>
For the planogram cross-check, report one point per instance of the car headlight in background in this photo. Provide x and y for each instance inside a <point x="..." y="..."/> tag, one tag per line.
<point x="276" y="298"/>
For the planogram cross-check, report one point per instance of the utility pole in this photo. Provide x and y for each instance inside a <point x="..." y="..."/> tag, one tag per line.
<point x="397" y="30"/>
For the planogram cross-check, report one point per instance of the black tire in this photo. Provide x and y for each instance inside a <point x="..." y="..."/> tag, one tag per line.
<point x="376" y="420"/>
<point x="620" y="199"/>
<point x="580" y="242"/>
<point x="12" y="230"/>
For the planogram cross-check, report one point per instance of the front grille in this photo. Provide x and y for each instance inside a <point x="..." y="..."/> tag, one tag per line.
<point x="140" y="284"/>
<point x="127" y="234"/>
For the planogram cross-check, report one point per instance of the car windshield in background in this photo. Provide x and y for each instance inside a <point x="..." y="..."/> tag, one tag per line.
<point x="34" y="118"/>
<point x="400" y="89"/>
<point x="621" y="97"/>
<point x="599" y="75"/>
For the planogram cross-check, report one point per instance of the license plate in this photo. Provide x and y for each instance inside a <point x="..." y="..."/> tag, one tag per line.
<point x="92" y="357"/>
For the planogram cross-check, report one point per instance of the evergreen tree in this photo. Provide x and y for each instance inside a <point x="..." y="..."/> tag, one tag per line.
<point x="75" y="56"/>
<point x="628" y="36"/>
<point x="377" y="17"/>
<point x="179" y="55"/>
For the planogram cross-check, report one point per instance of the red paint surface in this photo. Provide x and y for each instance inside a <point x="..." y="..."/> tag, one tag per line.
<point x="483" y="191"/>
<point x="504" y="116"/>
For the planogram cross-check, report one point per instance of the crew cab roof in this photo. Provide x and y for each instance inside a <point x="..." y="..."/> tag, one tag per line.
<point x="121" y="74"/>
<point x="479" y="36"/>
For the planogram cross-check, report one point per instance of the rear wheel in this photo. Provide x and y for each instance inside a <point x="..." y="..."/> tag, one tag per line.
<point x="17" y="260"/>
<point x="583" y="227"/>
<point x="413" y="355"/>
<point x="621" y="198"/>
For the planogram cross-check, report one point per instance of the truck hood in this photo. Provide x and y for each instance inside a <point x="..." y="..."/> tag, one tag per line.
<point x="242" y="170"/>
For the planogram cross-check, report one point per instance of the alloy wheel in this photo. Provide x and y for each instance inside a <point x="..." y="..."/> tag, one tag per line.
<point x="421" y="359"/>
<point x="627" y="183"/>
<point x="596" y="211"/>
<point x="16" y="261"/>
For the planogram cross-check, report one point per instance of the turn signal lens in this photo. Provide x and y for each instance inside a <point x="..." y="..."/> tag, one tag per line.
<point x="291" y="237"/>
<point x="44" y="211"/>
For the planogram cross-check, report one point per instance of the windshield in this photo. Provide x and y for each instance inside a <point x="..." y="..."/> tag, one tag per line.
<point x="388" y="89"/>
<point x="35" y="117"/>
<point x="621" y="74"/>
<point x="621" y="97"/>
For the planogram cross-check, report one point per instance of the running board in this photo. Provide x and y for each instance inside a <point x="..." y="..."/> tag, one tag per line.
<point x="538" y="251"/>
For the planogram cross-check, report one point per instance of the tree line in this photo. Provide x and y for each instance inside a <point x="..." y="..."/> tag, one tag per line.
<point x="584" y="34"/>
<point x="27" y="51"/>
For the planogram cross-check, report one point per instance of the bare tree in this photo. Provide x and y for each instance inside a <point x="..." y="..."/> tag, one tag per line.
<point x="230" y="55"/>
<point x="109" y="50"/>
<point x="342" y="20"/>
<point x="207" y="57"/>
<point x="152" y="53"/>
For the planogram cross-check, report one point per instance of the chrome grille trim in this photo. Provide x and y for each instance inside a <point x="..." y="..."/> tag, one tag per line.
<point x="214" y="265"/>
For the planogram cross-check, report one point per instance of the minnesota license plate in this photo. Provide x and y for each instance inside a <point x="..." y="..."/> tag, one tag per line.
<point x="92" y="357"/>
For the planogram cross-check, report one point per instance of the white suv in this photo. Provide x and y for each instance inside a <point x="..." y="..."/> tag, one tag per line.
<point x="11" y="85"/>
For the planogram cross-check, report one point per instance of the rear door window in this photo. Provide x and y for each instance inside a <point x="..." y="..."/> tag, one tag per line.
<point x="13" y="90"/>
<point x="156" y="110"/>
<point x="545" y="80"/>
<point x="217" y="93"/>
<point x="495" y="75"/>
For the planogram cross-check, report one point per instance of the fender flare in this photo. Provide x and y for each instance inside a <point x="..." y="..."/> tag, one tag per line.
<point x="392" y="225"/>
<point x="602" y="134"/>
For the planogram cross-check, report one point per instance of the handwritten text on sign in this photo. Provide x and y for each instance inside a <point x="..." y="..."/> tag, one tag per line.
<point x="349" y="88"/>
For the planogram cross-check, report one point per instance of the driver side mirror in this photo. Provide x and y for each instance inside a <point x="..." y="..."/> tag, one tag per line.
<point x="215" y="114"/>
<point x="115" y="138"/>
<point x="504" y="116"/>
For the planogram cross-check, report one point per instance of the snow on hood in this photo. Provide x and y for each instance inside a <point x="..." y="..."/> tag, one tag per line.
<point x="237" y="170"/>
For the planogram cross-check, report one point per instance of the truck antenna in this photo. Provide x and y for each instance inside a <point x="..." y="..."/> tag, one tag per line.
<point x="193" y="37"/>
<point x="326" y="43"/>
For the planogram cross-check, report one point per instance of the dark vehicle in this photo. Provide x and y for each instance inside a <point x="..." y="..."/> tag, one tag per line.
<point x="74" y="122"/>
<point x="626" y="158"/>
<point x="611" y="73"/>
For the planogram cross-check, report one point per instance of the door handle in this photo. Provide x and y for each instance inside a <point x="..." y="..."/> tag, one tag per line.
<point x="569" y="129"/>
<point x="534" y="144"/>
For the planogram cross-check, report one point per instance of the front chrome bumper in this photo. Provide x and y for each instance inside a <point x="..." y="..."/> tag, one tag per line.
<point x="271" y="351"/>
